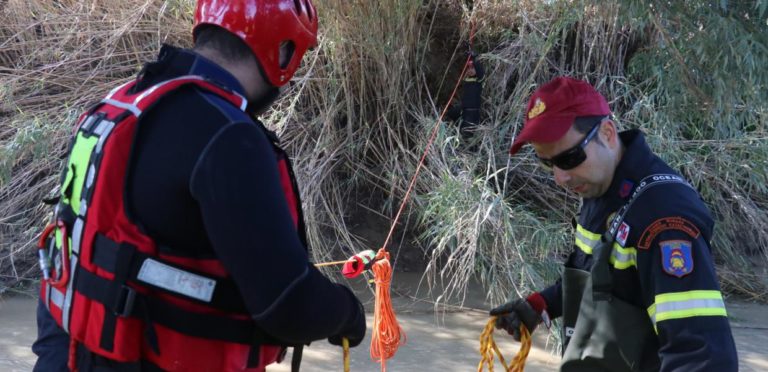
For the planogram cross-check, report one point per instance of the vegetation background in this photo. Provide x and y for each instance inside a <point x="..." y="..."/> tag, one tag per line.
<point x="691" y="74"/>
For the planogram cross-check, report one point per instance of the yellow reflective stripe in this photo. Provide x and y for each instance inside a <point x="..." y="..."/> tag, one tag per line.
<point x="583" y="246"/>
<point x="688" y="304"/>
<point x="587" y="234"/>
<point x="623" y="258"/>
<point x="689" y="295"/>
<point x="689" y="313"/>
<point x="585" y="239"/>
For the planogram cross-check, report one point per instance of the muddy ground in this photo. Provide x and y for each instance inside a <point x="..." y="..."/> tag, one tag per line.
<point x="442" y="341"/>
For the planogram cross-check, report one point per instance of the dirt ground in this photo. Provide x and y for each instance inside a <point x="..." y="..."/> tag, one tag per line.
<point x="442" y="341"/>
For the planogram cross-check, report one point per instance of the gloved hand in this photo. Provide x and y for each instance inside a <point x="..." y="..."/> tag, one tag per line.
<point x="354" y="330"/>
<point x="514" y="313"/>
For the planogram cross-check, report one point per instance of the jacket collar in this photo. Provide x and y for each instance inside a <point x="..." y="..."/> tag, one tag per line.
<point x="173" y="62"/>
<point x="633" y="165"/>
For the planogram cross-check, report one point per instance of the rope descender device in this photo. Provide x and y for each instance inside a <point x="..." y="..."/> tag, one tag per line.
<point x="357" y="264"/>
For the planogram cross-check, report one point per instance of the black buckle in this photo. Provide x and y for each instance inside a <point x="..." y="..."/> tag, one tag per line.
<point x="125" y="300"/>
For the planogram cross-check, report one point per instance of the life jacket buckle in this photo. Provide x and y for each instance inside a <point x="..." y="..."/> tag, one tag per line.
<point x="125" y="299"/>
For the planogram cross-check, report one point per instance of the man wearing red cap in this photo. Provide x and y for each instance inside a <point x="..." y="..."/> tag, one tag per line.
<point x="178" y="240"/>
<point x="630" y="295"/>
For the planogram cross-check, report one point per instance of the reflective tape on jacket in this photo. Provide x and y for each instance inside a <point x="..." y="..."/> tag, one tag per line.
<point x="586" y="240"/>
<point x="678" y="305"/>
<point x="623" y="258"/>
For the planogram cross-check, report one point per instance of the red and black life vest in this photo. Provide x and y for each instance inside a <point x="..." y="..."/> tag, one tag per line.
<point x="108" y="284"/>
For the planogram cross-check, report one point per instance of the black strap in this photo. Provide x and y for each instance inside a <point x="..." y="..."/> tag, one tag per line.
<point x="298" y="351"/>
<point x="87" y="360"/>
<point x="602" y="278"/>
<point x="124" y="302"/>
<point x="119" y="295"/>
<point x="226" y="296"/>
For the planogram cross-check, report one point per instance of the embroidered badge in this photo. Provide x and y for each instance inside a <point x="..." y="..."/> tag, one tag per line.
<point x="663" y="224"/>
<point x="625" y="188"/>
<point x="537" y="109"/>
<point x="622" y="234"/>
<point x="677" y="257"/>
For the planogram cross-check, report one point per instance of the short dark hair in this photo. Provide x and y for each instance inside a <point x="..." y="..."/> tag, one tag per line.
<point x="228" y="45"/>
<point x="583" y="124"/>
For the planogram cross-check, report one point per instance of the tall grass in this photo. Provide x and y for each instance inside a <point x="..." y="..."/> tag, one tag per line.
<point x="688" y="73"/>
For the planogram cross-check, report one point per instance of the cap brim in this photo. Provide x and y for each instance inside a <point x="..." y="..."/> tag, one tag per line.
<point x="543" y="130"/>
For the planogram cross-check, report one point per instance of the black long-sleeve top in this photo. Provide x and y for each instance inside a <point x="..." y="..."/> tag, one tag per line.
<point x="203" y="179"/>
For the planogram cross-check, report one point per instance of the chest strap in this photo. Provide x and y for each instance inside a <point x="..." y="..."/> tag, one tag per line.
<point x="121" y="299"/>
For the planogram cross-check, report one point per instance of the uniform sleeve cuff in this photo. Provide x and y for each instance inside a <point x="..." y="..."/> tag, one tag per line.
<point x="537" y="302"/>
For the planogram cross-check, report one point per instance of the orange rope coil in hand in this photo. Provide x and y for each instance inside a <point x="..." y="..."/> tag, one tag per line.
<point x="488" y="348"/>
<point x="387" y="335"/>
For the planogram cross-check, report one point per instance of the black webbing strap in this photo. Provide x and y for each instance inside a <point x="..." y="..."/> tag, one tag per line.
<point x="118" y="296"/>
<point x="226" y="296"/>
<point x="124" y="303"/>
<point x="87" y="360"/>
<point x="298" y="351"/>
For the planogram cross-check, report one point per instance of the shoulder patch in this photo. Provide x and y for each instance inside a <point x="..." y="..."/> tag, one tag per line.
<point x="622" y="234"/>
<point x="677" y="257"/>
<point x="663" y="224"/>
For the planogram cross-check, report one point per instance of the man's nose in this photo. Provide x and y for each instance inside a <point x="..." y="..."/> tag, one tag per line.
<point x="561" y="177"/>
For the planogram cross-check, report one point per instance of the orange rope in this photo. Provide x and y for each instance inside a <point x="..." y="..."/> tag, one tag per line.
<point x="488" y="348"/>
<point x="387" y="334"/>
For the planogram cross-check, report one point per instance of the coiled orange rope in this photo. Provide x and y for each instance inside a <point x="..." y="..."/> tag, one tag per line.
<point x="488" y="348"/>
<point x="387" y="334"/>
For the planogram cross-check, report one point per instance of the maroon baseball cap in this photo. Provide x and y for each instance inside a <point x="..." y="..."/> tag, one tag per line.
<point x="553" y="108"/>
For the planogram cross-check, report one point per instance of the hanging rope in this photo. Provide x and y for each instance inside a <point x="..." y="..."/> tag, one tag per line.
<point x="345" y="343"/>
<point x="488" y="348"/>
<point x="387" y="335"/>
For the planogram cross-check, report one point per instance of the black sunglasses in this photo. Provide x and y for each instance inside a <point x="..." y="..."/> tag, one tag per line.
<point x="574" y="156"/>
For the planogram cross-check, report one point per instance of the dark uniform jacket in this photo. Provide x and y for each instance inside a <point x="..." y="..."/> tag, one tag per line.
<point x="661" y="262"/>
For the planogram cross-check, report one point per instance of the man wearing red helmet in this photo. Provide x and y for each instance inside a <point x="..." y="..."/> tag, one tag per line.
<point x="630" y="296"/>
<point x="178" y="239"/>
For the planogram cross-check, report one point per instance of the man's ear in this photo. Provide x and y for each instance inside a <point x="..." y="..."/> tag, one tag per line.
<point x="609" y="134"/>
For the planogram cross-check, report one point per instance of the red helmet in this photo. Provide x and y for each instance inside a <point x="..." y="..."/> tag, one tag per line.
<point x="265" y="25"/>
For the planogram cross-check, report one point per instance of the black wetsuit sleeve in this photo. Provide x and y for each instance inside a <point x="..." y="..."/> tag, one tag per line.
<point x="246" y="217"/>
